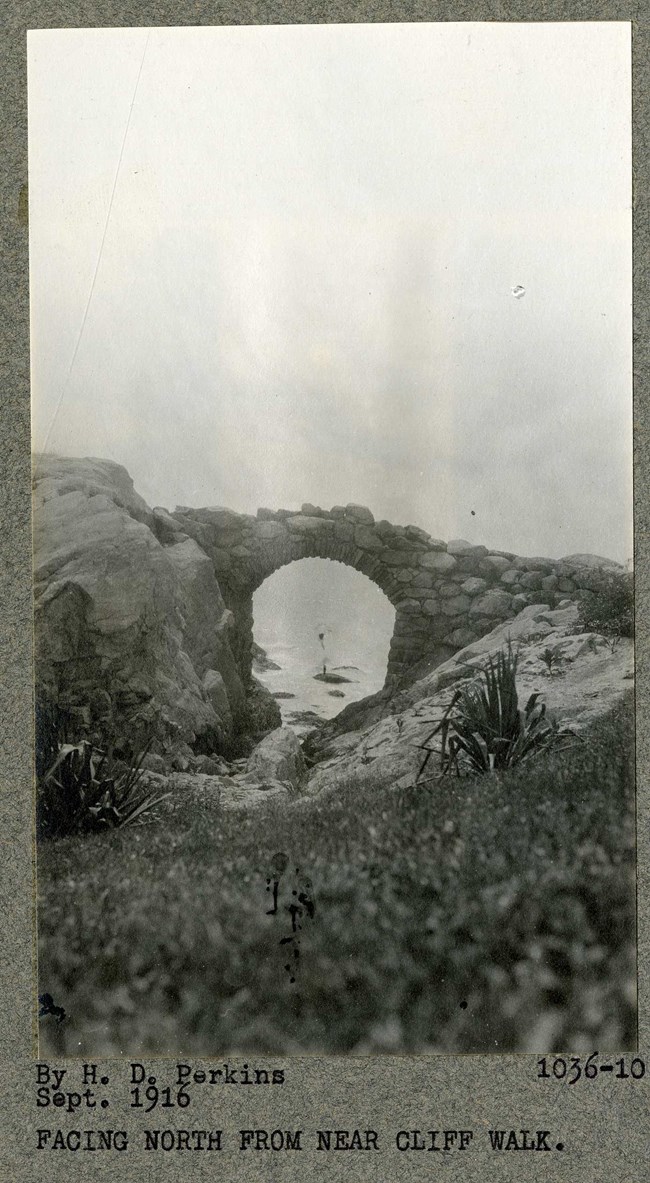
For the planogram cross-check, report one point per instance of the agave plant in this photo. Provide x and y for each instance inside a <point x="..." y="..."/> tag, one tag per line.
<point x="86" y="789"/>
<point x="484" y="725"/>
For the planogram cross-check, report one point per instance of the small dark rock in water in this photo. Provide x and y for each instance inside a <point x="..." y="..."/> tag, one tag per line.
<point x="261" y="661"/>
<point x="336" y="694"/>
<point x="283" y="694"/>
<point x="330" y="678"/>
<point x="347" y="667"/>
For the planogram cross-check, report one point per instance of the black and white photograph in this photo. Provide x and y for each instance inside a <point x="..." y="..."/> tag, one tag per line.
<point x="331" y="372"/>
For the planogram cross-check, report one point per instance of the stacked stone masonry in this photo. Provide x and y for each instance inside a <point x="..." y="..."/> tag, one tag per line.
<point x="445" y="594"/>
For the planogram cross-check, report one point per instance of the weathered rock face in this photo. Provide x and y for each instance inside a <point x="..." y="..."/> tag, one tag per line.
<point x="128" y="611"/>
<point x="384" y="749"/>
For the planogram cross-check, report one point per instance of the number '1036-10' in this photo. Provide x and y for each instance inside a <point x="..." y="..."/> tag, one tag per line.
<point x="574" y="1068"/>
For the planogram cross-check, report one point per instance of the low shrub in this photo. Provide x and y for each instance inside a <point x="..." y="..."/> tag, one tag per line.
<point x="608" y="607"/>
<point x="552" y="659"/>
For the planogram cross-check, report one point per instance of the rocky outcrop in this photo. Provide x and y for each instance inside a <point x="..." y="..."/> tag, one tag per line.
<point x="262" y="663"/>
<point x="129" y="615"/>
<point x="275" y="771"/>
<point x="379" y="742"/>
<point x="590" y="674"/>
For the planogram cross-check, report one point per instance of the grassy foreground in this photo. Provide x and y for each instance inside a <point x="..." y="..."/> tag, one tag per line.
<point x="492" y="914"/>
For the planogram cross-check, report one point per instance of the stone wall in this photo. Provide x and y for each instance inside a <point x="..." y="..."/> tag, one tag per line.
<point x="445" y="594"/>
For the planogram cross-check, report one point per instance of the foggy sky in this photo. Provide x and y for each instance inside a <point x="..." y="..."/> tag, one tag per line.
<point x="276" y="264"/>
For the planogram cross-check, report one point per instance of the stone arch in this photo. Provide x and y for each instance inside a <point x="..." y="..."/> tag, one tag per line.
<point x="445" y="595"/>
<point x="277" y="548"/>
<point x="352" y="603"/>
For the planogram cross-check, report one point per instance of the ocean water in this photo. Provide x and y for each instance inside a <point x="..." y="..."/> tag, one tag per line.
<point x="316" y="612"/>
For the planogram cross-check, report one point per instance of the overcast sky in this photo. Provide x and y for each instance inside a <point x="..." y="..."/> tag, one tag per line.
<point x="276" y="264"/>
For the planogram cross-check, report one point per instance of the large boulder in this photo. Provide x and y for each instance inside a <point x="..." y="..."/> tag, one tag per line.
<point x="498" y="563"/>
<point x="493" y="603"/>
<point x="124" y="623"/>
<point x="438" y="562"/>
<point x="360" y="513"/>
<point x="278" y="758"/>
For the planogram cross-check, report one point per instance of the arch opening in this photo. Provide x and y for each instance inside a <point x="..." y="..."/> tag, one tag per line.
<point x="321" y="637"/>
